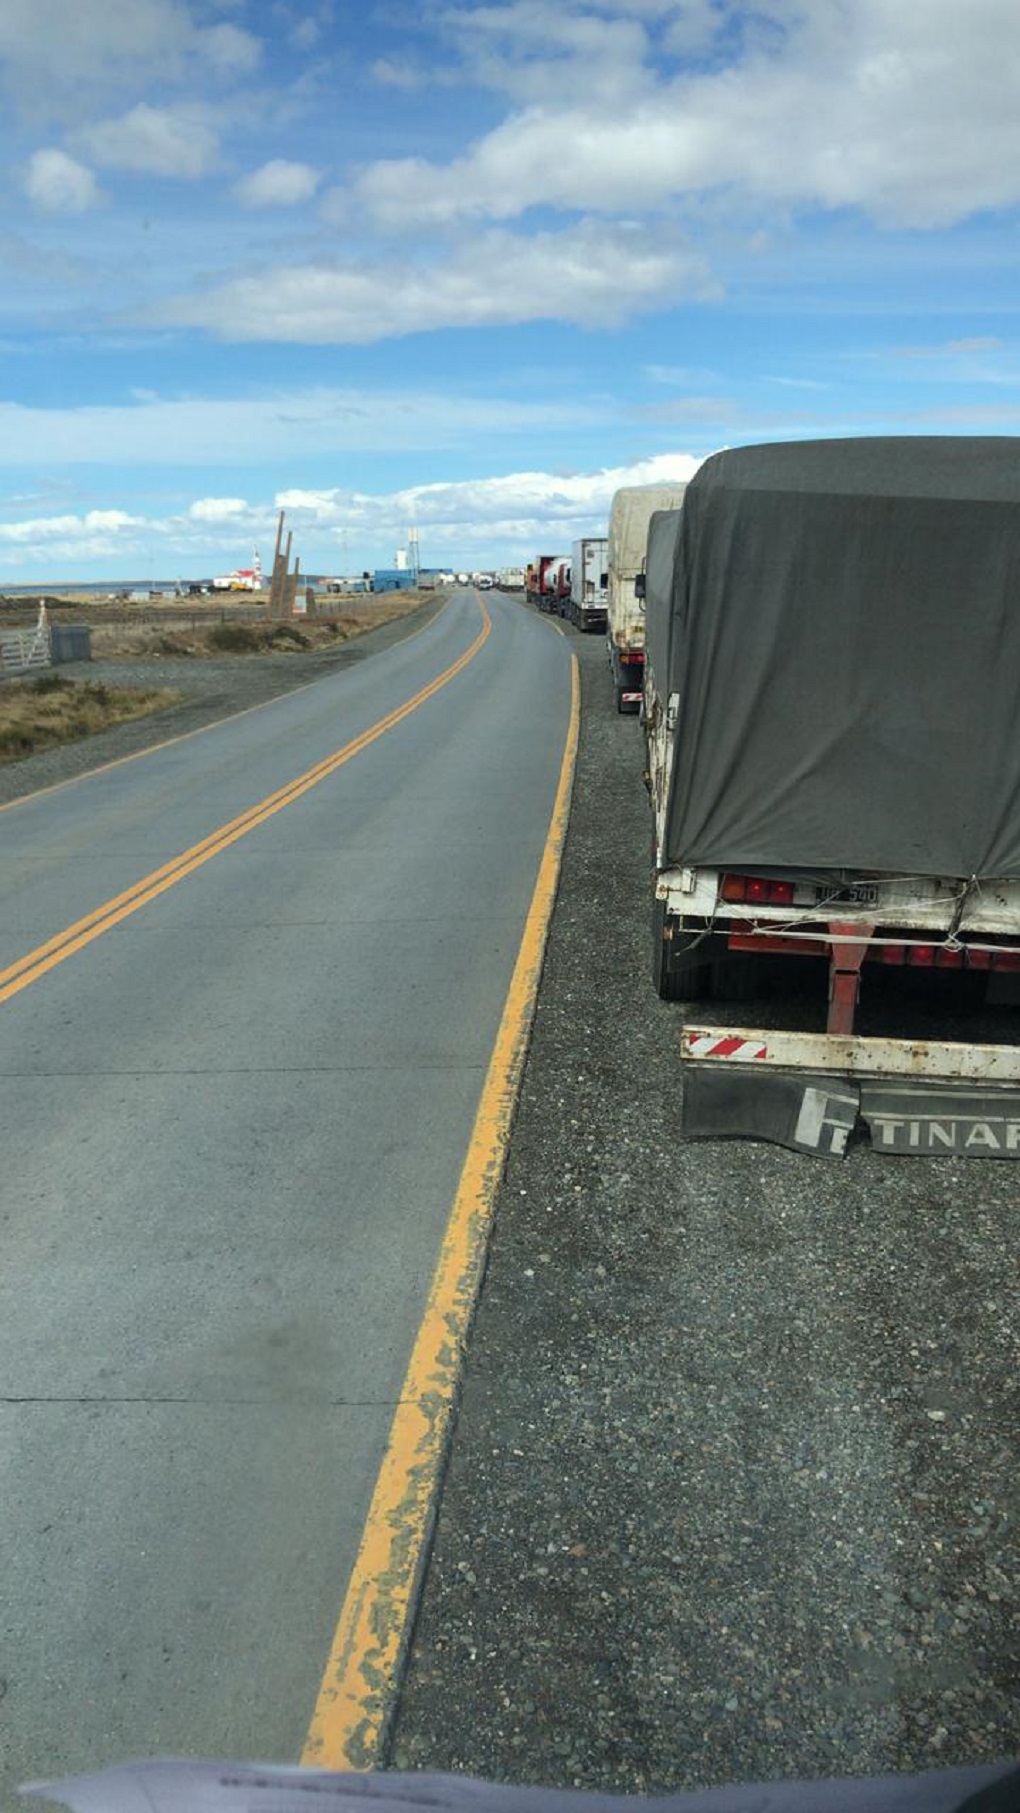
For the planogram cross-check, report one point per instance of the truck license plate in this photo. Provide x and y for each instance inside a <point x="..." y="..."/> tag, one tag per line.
<point x="863" y="894"/>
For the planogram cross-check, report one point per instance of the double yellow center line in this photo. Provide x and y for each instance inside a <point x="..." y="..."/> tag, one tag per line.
<point x="75" y="937"/>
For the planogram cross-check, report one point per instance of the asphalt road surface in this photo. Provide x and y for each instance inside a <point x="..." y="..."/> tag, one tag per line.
<point x="233" y="1122"/>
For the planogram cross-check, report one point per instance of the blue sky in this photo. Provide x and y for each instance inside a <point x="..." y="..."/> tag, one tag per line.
<point x="474" y="266"/>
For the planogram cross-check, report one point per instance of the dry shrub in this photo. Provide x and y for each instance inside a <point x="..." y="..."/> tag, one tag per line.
<point x="235" y="638"/>
<point x="41" y="713"/>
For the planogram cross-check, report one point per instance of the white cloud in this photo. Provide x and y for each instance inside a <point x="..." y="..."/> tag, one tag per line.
<point x="513" y="512"/>
<point x="552" y="51"/>
<point x="230" y="49"/>
<point x="502" y="517"/>
<point x="903" y="108"/>
<point x="55" y="55"/>
<point x="278" y="184"/>
<point x="534" y="499"/>
<point x="598" y="274"/>
<point x="218" y="509"/>
<point x="58" y="184"/>
<point x="154" y="141"/>
<point x="44" y="529"/>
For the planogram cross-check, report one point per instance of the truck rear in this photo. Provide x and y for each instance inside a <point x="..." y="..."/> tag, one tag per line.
<point x="834" y="764"/>
<point x="533" y="577"/>
<point x="554" y="582"/>
<point x="629" y="516"/>
<point x="589" y="582"/>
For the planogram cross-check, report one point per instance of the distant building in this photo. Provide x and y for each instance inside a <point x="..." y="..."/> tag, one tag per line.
<point x="392" y="579"/>
<point x="242" y="579"/>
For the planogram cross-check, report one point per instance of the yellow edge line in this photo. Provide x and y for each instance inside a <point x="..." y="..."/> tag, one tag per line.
<point x="56" y="950"/>
<point x="73" y="780"/>
<point x="357" y="1690"/>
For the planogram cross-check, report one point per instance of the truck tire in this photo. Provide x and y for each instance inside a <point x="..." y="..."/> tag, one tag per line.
<point x="675" y="980"/>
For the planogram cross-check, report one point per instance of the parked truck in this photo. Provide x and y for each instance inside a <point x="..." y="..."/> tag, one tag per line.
<point x="631" y="510"/>
<point x="589" y="581"/>
<point x="539" y="586"/>
<point x="555" y="582"/>
<point x="832" y="721"/>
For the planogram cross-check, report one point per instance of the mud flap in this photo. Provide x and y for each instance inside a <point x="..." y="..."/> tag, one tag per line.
<point x="816" y="1113"/>
<point x="929" y="1121"/>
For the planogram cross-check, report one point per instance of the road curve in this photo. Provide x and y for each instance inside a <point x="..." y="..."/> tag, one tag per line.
<point x="234" y="1119"/>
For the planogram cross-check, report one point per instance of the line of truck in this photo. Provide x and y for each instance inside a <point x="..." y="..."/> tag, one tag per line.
<point x="573" y="585"/>
<point x="823" y="641"/>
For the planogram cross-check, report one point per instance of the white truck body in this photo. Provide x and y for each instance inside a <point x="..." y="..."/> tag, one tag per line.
<point x="589" y="582"/>
<point x="631" y="511"/>
<point x="555" y="581"/>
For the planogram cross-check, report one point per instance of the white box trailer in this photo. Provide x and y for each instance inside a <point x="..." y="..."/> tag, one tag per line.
<point x="631" y="511"/>
<point x="834" y="767"/>
<point x="589" y="582"/>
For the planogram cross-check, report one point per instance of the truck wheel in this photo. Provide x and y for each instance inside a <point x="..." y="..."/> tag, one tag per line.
<point x="673" y="980"/>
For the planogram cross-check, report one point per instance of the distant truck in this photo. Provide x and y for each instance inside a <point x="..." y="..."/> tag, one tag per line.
<point x="629" y="516"/>
<point x="536" y="588"/>
<point x="589" y="582"/>
<point x="833" y="755"/>
<point x="554" y="582"/>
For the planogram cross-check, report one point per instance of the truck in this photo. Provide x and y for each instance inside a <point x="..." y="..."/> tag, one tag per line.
<point x="629" y="516"/>
<point x="589" y="581"/>
<point x="554" y="582"/>
<point x="536" y="588"/>
<point x="833" y="759"/>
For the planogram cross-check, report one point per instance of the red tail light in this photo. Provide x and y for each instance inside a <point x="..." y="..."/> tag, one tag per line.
<point x="757" y="891"/>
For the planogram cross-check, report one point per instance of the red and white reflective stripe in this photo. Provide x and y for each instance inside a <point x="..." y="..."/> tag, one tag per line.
<point x="711" y="1045"/>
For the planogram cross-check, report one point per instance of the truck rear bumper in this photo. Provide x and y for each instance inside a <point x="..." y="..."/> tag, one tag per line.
<point x="811" y="1091"/>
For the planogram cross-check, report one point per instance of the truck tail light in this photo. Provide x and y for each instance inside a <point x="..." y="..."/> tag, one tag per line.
<point x="755" y="890"/>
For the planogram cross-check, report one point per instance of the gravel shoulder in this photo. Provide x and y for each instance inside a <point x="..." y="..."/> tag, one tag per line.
<point x="212" y="688"/>
<point x="733" y="1490"/>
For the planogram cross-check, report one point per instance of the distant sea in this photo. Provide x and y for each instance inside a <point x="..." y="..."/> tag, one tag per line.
<point x="96" y="588"/>
<point x="108" y="588"/>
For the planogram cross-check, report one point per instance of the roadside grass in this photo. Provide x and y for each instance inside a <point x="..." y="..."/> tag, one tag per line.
<point x="185" y="634"/>
<point x="41" y="713"/>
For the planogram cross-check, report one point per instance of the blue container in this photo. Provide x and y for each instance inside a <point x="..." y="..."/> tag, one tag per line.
<point x="392" y="579"/>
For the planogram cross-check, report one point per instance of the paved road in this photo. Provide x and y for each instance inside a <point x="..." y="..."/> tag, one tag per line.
<point x="233" y="1125"/>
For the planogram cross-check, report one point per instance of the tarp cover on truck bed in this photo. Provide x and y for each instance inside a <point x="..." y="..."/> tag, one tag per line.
<point x="841" y="623"/>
